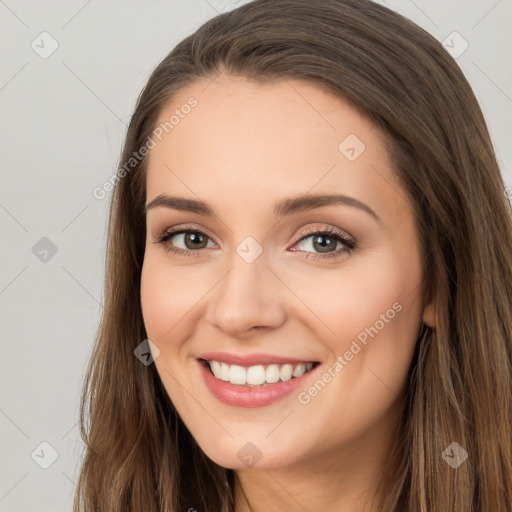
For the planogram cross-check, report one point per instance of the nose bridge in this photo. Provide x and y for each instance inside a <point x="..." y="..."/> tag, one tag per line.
<point x="246" y="296"/>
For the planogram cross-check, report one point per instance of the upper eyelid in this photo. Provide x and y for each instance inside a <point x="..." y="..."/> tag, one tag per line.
<point x="309" y="230"/>
<point x="185" y="229"/>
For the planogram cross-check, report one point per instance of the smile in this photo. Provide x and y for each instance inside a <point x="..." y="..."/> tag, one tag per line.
<point x="249" y="384"/>
<point x="259" y="375"/>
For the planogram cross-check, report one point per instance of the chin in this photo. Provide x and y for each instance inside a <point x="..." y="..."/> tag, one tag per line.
<point x="250" y="452"/>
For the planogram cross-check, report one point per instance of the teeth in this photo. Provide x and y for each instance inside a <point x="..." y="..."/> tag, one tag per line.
<point x="216" y="368"/>
<point x="237" y="374"/>
<point x="224" y="372"/>
<point x="257" y="375"/>
<point x="299" y="370"/>
<point x="286" y="372"/>
<point x="272" y="373"/>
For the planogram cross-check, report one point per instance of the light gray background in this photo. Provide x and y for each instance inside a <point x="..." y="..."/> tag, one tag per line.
<point x="63" y="119"/>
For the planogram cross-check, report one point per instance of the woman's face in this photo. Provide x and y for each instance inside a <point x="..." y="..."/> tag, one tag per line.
<point x="270" y="281"/>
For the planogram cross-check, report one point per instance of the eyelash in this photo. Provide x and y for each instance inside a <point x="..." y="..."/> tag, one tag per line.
<point x="330" y="232"/>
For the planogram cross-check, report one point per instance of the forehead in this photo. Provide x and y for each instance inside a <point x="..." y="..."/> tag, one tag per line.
<point x="267" y="139"/>
<point x="263" y="109"/>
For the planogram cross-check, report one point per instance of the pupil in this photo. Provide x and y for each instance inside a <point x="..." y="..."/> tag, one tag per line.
<point x="194" y="238"/>
<point x="323" y="246"/>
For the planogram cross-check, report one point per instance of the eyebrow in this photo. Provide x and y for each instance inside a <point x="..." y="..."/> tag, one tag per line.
<point x="280" y="209"/>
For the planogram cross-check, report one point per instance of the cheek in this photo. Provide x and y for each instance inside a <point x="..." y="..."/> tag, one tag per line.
<point x="349" y="300"/>
<point x="373" y="316"/>
<point x="376" y="320"/>
<point x="370" y="313"/>
<point x="166" y="297"/>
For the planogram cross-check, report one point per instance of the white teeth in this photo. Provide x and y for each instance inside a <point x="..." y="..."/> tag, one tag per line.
<point x="237" y="374"/>
<point x="299" y="370"/>
<point x="286" y="372"/>
<point x="216" y="368"/>
<point x="224" y="372"/>
<point x="272" y="373"/>
<point x="258" y="375"/>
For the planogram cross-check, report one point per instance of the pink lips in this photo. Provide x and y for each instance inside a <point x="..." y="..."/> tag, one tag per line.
<point x="245" y="396"/>
<point x="251" y="359"/>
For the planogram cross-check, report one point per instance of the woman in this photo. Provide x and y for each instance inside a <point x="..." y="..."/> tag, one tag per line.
<point x="308" y="280"/>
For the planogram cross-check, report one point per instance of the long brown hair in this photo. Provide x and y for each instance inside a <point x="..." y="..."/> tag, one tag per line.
<point x="139" y="456"/>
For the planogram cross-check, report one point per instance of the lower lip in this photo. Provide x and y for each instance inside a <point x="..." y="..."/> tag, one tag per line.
<point x="245" y="396"/>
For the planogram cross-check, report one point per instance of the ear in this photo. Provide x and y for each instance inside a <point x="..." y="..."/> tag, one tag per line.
<point x="429" y="314"/>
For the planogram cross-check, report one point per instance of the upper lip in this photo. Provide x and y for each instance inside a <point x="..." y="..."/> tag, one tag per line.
<point x="252" y="359"/>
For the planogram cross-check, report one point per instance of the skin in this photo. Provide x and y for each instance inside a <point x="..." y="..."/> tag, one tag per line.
<point x="245" y="146"/>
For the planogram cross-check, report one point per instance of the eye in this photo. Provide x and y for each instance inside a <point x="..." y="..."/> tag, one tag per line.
<point x="325" y="241"/>
<point x="192" y="239"/>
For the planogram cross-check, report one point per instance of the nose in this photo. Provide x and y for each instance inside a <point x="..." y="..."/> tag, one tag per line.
<point x="248" y="298"/>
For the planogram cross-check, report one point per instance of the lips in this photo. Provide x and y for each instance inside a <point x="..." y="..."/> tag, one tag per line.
<point x="253" y="380"/>
<point x="251" y="359"/>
